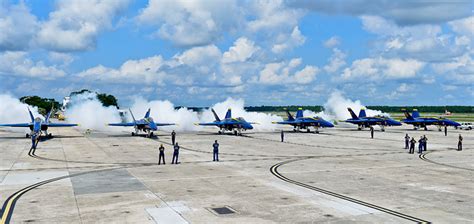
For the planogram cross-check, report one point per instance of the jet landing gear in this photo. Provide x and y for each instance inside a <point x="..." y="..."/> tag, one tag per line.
<point x="149" y="134"/>
<point x="48" y="135"/>
<point x="238" y="132"/>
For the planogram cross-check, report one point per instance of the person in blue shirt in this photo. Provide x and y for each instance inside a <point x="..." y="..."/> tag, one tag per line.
<point x="175" y="154"/>
<point x="215" y="146"/>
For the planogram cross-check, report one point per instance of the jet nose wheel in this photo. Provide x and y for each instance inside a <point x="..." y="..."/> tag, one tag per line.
<point x="27" y="136"/>
<point x="133" y="133"/>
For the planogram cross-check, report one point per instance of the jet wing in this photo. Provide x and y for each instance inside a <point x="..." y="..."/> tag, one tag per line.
<point x="164" y="124"/>
<point x="286" y="122"/>
<point x="25" y="125"/>
<point x="60" y="125"/>
<point x="209" y="124"/>
<point x="128" y="124"/>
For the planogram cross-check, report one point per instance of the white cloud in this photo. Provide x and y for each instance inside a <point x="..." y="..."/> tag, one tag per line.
<point x="191" y="23"/>
<point x="403" y="88"/>
<point x="332" y="42"/>
<point x="75" y="25"/>
<point x="17" y="26"/>
<point x="295" y="39"/>
<point x="306" y="75"/>
<point x="145" y="70"/>
<point x="459" y="69"/>
<point x="200" y="56"/>
<point x="242" y="50"/>
<point x="463" y="26"/>
<point x="18" y="64"/>
<point x="62" y="58"/>
<point x="403" y="12"/>
<point x="381" y="68"/>
<point x="422" y="42"/>
<point x="280" y="73"/>
<point x="336" y="61"/>
<point x="271" y="15"/>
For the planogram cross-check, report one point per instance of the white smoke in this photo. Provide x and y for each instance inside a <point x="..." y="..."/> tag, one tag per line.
<point x="14" y="111"/>
<point x="336" y="106"/>
<point x="263" y="120"/>
<point x="165" y="112"/>
<point x="87" y="111"/>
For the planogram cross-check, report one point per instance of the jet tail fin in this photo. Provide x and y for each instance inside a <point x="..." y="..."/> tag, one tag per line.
<point x="299" y="113"/>
<point x="407" y="114"/>
<point x="147" y="115"/>
<point x="353" y="115"/>
<point x="31" y="115"/>
<point x="362" y="113"/>
<point x="215" y="115"/>
<point x="290" y="117"/>
<point x="49" y="114"/>
<point x="415" y="113"/>
<point x="228" y="114"/>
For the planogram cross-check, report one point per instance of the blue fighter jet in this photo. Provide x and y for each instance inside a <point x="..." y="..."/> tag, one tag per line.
<point x="363" y="121"/>
<point x="236" y="125"/>
<point x="418" y="121"/>
<point x="301" y="122"/>
<point x="146" y="124"/>
<point x="38" y="127"/>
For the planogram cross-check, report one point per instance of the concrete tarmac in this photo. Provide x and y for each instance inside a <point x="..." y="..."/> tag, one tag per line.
<point x="338" y="176"/>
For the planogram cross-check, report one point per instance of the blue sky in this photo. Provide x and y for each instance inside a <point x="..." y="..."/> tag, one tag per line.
<point x="197" y="53"/>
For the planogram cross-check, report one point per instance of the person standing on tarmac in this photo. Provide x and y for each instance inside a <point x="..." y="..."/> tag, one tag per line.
<point x="173" y="137"/>
<point x="420" y="145"/>
<point x="460" y="143"/>
<point x="407" y="141"/>
<point x="175" y="154"/>
<point x="412" y="145"/>
<point x="162" y="155"/>
<point x="371" y="132"/>
<point x="445" y="130"/>
<point x="215" y="147"/>
<point x="282" y="136"/>
<point x="425" y="142"/>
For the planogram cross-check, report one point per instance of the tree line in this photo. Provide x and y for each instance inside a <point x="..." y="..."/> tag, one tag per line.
<point x="388" y="109"/>
<point x="44" y="104"/>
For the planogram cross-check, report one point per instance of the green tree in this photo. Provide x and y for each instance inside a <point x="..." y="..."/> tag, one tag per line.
<point x="105" y="99"/>
<point x="44" y="104"/>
